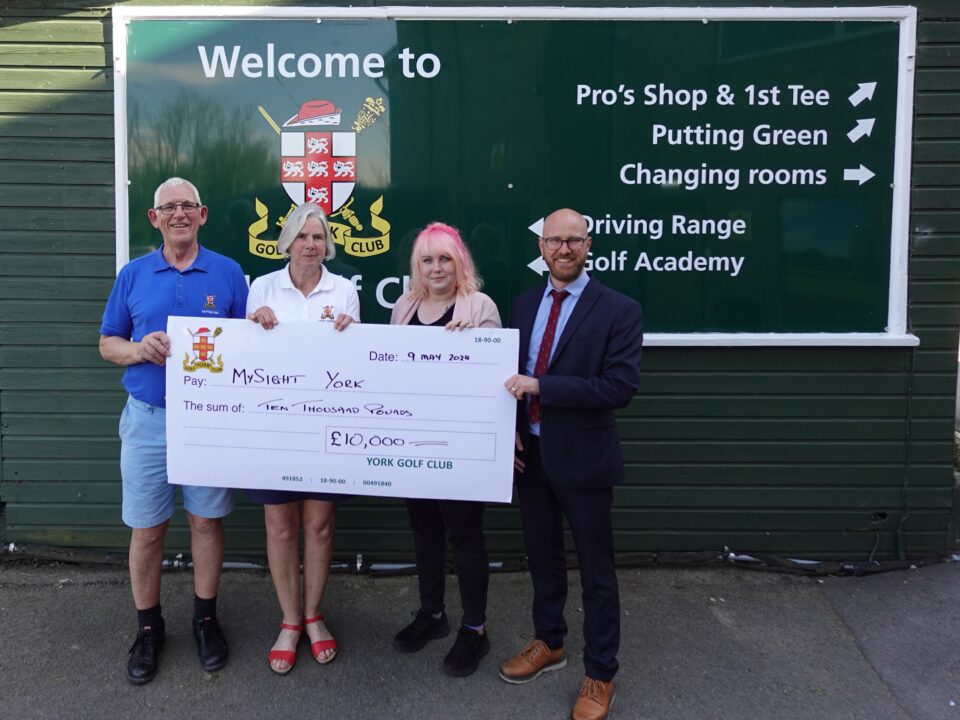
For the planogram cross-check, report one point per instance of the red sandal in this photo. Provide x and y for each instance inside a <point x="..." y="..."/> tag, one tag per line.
<point x="320" y="645"/>
<point x="287" y="656"/>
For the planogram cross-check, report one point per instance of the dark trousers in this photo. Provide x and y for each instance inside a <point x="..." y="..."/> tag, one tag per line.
<point x="432" y="522"/>
<point x="543" y="505"/>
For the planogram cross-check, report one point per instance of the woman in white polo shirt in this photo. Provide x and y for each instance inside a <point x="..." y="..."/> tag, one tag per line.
<point x="302" y="291"/>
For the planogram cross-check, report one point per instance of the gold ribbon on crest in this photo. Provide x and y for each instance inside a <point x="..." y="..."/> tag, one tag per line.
<point x="342" y="232"/>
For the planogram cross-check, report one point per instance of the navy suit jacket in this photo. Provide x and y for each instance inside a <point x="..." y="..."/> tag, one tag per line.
<point x="595" y="370"/>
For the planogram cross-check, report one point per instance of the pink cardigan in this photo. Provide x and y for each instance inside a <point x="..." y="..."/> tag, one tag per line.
<point x="476" y="307"/>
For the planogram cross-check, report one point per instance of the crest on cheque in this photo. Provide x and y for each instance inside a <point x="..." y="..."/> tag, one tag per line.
<point x="203" y="346"/>
<point x="319" y="164"/>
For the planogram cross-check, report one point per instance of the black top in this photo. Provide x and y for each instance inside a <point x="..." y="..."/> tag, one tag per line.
<point x="440" y="321"/>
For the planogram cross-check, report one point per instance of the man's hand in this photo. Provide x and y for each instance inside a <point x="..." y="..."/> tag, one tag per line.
<point x="520" y="385"/>
<point x="154" y="347"/>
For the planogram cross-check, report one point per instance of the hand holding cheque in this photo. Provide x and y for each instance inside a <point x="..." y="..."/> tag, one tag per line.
<point x="394" y="411"/>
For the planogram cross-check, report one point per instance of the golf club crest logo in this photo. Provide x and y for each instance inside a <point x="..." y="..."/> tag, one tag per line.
<point x="319" y="165"/>
<point x="203" y="349"/>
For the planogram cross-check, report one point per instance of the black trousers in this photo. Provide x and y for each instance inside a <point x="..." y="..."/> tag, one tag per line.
<point x="432" y="522"/>
<point x="543" y="505"/>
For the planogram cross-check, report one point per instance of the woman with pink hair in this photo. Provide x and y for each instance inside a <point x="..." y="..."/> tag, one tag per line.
<point x="445" y="292"/>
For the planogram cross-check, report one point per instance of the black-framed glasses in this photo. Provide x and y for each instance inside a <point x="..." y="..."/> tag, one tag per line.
<point x="189" y="208"/>
<point x="574" y="243"/>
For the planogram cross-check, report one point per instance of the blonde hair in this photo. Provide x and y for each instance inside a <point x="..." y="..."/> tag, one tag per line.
<point x="441" y="239"/>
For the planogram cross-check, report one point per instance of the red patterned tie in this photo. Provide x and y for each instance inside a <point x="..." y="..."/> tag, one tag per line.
<point x="543" y="357"/>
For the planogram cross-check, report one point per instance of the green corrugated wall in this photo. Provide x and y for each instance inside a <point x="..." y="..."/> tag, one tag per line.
<point x="800" y="452"/>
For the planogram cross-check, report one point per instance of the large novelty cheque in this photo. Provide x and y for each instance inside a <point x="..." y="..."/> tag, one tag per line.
<point x="373" y="410"/>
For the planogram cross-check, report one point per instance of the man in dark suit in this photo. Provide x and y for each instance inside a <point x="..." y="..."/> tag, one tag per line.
<point x="580" y="348"/>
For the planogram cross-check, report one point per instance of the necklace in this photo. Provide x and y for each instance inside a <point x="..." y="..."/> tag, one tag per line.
<point x="431" y="310"/>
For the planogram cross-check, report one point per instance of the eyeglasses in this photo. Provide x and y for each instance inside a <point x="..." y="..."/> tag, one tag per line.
<point x="189" y="208"/>
<point x="574" y="243"/>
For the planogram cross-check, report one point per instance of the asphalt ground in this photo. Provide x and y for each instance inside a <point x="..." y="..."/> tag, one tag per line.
<point x="714" y="642"/>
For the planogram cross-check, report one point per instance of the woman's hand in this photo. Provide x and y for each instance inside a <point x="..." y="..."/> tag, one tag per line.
<point x="458" y="325"/>
<point x="342" y="321"/>
<point x="264" y="317"/>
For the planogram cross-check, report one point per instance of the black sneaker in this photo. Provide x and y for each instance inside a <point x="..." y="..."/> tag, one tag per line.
<point x="211" y="645"/>
<point x="424" y="628"/>
<point x="145" y="654"/>
<point x="464" y="656"/>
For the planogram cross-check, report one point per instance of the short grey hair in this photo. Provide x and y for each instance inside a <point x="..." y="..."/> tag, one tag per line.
<point x="294" y="224"/>
<point x="174" y="182"/>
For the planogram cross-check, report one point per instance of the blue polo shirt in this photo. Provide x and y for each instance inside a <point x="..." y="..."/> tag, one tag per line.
<point x="148" y="290"/>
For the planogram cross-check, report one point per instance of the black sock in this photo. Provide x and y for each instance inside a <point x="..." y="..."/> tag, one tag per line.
<point x="150" y="618"/>
<point x="204" y="608"/>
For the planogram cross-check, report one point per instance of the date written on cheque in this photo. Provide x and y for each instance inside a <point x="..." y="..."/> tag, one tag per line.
<point x="418" y="357"/>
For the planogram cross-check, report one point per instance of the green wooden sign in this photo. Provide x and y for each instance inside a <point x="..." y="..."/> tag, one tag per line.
<point x="745" y="178"/>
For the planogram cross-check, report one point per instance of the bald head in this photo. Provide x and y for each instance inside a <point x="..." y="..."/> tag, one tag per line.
<point x="564" y="223"/>
<point x="564" y="245"/>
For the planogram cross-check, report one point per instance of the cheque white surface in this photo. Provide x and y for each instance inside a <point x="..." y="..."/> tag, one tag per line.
<point x="373" y="410"/>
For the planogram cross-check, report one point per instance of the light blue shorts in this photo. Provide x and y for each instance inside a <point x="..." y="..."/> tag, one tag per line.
<point x="147" y="496"/>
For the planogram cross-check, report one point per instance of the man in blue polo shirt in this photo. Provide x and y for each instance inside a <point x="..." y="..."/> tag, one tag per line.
<point x="181" y="278"/>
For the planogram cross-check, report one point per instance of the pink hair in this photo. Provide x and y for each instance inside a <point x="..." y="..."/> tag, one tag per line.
<point x="440" y="239"/>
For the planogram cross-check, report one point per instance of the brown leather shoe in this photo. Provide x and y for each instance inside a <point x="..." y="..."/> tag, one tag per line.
<point x="594" y="701"/>
<point x="534" y="659"/>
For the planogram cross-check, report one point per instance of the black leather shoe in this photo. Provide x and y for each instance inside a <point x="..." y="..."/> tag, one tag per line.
<point x="424" y="628"/>
<point x="145" y="655"/>
<point x="464" y="656"/>
<point x="211" y="645"/>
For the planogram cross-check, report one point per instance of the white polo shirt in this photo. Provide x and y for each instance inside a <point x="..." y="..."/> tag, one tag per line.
<point x="332" y="295"/>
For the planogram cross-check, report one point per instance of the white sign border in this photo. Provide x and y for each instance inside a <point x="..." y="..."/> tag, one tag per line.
<point x="896" y="332"/>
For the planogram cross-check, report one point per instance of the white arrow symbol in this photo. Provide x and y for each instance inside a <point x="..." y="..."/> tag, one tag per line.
<point x="864" y="92"/>
<point x="860" y="174"/>
<point x="539" y="266"/>
<point x="864" y="127"/>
